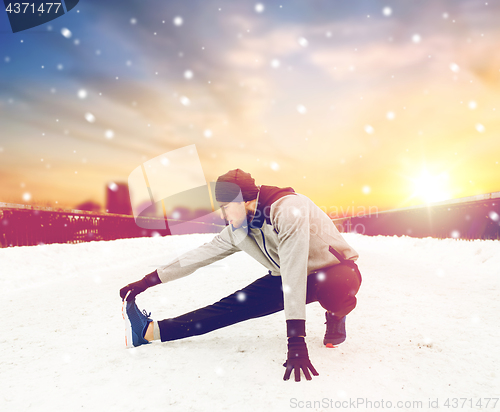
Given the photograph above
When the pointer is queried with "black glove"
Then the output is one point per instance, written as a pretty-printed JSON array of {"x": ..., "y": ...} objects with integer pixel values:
[
  {"x": 140, "y": 286},
  {"x": 298, "y": 359}
]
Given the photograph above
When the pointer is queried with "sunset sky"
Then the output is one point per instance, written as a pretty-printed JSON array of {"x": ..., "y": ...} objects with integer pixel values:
[{"x": 354, "y": 103}]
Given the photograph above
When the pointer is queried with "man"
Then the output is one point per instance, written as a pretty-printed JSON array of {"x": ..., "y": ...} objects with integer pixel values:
[{"x": 307, "y": 258}]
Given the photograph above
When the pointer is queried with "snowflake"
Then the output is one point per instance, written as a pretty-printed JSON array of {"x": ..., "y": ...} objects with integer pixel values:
[
  {"x": 387, "y": 11},
  {"x": 390, "y": 115},
  {"x": 416, "y": 38},
  {"x": 303, "y": 42},
  {"x": 66, "y": 32},
  {"x": 109, "y": 134},
  {"x": 369, "y": 129},
  {"x": 90, "y": 117},
  {"x": 133, "y": 20},
  {"x": 455, "y": 234},
  {"x": 241, "y": 296},
  {"x": 82, "y": 93},
  {"x": 301, "y": 109},
  {"x": 366, "y": 190},
  {"x": 113, "y": 186},
  {"x": 472, "y": 105},
  {"x": 178, "y": 21},
  {"x": 207, "y": 133},
  {"x": 494, "y": 216},
  {"x": 185, "y": 101},
  {"x": 275, "y": 166},
  {"x": 26, "y": 196},
  {"x": 188, "y": 74},
  {"x": 454, "y": 67},
  {"x": 259, "y": 7},
  {"x": 480, "y": 128},
  {"x": 275, "y": 63}
]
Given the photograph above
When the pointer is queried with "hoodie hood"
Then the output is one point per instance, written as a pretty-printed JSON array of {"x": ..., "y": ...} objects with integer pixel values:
[{"x": 267, "y": 196}]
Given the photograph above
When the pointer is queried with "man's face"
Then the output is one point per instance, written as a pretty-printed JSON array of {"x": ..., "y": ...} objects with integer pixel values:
[{"x": 234, "y": 213}]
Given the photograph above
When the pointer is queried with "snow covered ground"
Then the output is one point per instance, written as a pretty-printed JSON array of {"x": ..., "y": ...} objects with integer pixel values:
[{"x": 426, "y": 328}]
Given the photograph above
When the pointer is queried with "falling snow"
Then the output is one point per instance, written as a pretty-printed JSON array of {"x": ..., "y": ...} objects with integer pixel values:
[
  {"x": 82, "y": 93},
  {"x": 90, "y": 117},
  {"x": 416, "y": 38},
  {"x": 66, "y": 32},
  {"x": 369, "y": 129},
  {"x": 109, "y": 134},
  {"x": 185, "y": 101},
  {"x": 275, "y": 166},
  {"x": 301, "y": 109},
  {"x": 387, "y": 11},
  {"x": 494, "y": 216},
  {"x": 259, "y": 7},
  {"x": 275, "y": 63},
  {"x": 303, "y": 42},
  {"x": 178, "y": 21},
  {"x": 480, "y": 128},
  {"x": 454, "y": 67},
  {"x": 188, "y": 74}
]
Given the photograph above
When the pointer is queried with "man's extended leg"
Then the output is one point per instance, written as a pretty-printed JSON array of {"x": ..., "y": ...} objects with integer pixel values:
[
  {"x": 333, "y": 287},
  {"x": 260, "y": 298}
]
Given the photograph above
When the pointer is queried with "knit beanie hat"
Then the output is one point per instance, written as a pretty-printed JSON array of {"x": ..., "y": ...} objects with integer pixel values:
[{"x": 229, "y": 186}]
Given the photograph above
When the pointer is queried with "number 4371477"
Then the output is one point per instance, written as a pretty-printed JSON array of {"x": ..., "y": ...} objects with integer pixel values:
[{"x": 30, "y": 8}]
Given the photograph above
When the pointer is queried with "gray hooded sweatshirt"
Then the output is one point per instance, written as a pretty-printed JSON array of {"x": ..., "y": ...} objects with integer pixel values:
[{"x": 289, "y": 235}]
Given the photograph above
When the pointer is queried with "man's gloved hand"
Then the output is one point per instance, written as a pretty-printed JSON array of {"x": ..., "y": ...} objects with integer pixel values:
[
  {"x": 298, "y": 358},
  {"x": 140, "y": 286}
]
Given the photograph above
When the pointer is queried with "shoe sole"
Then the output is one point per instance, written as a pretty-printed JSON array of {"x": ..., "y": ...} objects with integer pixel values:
[{"x": 128, "y": 326}]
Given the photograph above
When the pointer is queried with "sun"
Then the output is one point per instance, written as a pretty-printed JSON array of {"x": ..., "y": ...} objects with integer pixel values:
[{"x": 431, "y": 188}]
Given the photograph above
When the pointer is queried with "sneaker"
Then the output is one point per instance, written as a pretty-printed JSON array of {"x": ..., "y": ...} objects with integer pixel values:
[
  {"x": 136, "y": 324},
  {"x": 335, "y": 330}
]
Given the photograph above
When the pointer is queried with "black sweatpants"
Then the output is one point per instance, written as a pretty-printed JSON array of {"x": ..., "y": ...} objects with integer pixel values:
[{"x": 333, "y": 287}]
